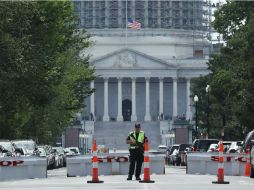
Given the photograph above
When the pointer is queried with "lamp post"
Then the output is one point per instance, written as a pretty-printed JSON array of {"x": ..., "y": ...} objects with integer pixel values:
[
  {"x": 207, "y": 89},
  {"x": 196, "y": 108}
]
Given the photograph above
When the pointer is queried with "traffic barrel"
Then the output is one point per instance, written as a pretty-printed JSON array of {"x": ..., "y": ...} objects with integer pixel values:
[
  {"x": 247, "y": 166},
  {"x": 95, "y": 170},
  {"x": 220, "y": 172},
  {"x": 146, "y": 165}
]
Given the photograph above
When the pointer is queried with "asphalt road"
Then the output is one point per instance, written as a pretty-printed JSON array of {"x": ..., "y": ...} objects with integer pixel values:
[{"x": 174, "y": 179}]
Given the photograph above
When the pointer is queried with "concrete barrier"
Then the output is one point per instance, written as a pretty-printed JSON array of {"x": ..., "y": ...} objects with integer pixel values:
[
  {"x": 207, "y": 163},
  {"x": 110, "y": 164},
  {"x": 12, "y": 168}
]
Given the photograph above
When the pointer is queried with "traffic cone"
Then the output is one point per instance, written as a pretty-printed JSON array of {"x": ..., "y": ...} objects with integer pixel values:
[
  {"x": 95, "y": 170},
  {"x": 247, "y": 166},
  {"x": 220, "y": 173},
  {"x": 146, "y": 166}
]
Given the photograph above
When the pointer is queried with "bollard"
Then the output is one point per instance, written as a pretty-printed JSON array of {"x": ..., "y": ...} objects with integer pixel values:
[
  {"x": 95, "y": 170},
  {"x": 146, "y": 166},
  {"x": 220, "y": 172}
]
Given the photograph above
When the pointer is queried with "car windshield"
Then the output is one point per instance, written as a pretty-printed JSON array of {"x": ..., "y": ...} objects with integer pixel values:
[
  {"x": 204, "y": 144},
  {"x": 60, "y": 150},
  {"x": 7, "y": 145},
  {"x": 182, "y": 147},
  {"x": 29, "y": 145},
  {"x": 74, "y": 150}
]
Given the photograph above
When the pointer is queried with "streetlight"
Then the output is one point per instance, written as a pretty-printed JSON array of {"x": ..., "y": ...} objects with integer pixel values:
[
  {"x": 196, "y": 107},
  {"x": 207, "y": 89}
]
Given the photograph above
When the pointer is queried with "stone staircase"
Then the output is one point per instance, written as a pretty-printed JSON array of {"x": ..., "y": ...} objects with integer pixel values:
[{"x": 114, "y": 134}]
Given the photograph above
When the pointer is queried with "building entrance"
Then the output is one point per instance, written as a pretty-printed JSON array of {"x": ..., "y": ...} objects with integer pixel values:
[{"x": 126, "y": 110}]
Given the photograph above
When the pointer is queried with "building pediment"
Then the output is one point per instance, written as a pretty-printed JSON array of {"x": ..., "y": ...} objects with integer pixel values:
[{"x": 130, "y": 59}]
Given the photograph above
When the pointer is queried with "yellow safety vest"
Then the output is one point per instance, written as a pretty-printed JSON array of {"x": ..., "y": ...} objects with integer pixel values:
[{"x": 140, "y": 139}]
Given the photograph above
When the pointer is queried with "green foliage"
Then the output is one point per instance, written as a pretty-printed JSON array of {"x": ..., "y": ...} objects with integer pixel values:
[
  {"x": 232, "y": 73},
  {"x": 43, "y": 80}
]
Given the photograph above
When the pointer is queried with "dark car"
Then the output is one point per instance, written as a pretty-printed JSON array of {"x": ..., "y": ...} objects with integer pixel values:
[
  {"x": 248, "y": 139},
  {"x": 181, "y": 156},
  {"x": 202, "y": 145},
  {"x": 252, "y": 159},
  {"x": 171, "y": 154},
  {"x": 61, "y": 153}
]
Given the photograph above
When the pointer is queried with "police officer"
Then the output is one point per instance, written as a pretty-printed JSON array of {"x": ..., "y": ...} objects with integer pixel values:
[{"x": 136, "y": 140}]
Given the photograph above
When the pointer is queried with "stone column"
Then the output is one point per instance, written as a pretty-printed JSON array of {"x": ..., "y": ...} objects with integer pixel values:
[
  {"x": 106, "y": 116},
  {"x": 119, "y": 111},
  {"x": 161, "y": 96},
  {"x": 174, "y": 98},
  {"x": 133, "y": 100},
  {"x": 188, "y": 100},
  {"x": 92, "y": 107},
  {"x": 147, "y": 115}
]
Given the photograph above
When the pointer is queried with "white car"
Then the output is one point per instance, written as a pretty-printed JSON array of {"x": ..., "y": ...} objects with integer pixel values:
[
  {"x": 72, "y": 151},
  {"x": 162, "y": 148}
]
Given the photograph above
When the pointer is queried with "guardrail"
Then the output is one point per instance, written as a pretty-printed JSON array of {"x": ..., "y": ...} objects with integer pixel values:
[
  {"x": 12, "y": 168},
  {"x": 110, "y": 164},
  {"x": 206, "y": 163}
]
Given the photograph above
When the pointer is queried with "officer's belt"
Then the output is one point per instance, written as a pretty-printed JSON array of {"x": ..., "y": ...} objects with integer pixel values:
[{"x": 134, "y": 147}]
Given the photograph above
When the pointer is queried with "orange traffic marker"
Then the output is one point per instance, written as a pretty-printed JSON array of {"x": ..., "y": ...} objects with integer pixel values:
[
  {"x": 95, "y": 170},
  {"x": 146, "y": 166},
  {"x": 247, "y": 166},
  {"x": 220, "y": 173}
]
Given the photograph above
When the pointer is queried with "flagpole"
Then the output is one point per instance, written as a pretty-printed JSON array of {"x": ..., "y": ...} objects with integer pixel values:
[{"x": 126, "y": 23}]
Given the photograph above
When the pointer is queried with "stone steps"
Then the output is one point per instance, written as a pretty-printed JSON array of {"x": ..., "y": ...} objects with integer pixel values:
[{"x": 114, "y": 134}]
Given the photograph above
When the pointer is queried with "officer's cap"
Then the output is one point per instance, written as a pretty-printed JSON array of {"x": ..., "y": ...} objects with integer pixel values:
[{"x": 137, "y": 125}]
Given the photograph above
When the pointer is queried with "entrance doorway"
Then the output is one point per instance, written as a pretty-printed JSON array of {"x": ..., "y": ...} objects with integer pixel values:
[{"x": 126, "y": 110}]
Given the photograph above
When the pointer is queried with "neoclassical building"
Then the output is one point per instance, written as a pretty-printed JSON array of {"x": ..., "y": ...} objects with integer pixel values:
[
  {"x": 144, "y": 75},
  {"x": 137, "y": 86}
]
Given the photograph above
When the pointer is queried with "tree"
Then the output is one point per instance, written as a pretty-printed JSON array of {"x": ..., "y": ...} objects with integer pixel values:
[
  {"x": 232, "y": 72},
  {"x": 43, "y": 79}
]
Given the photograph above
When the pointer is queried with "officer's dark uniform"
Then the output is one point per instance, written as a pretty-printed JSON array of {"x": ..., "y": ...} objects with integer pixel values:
[{"x": 136, "y": 153}]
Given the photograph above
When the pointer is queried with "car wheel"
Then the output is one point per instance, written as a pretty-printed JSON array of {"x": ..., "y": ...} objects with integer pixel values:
[{"x": 252, "y": 172}]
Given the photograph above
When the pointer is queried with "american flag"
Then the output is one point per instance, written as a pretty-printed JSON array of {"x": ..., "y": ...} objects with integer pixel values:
[{"x": 134, "y": 24}]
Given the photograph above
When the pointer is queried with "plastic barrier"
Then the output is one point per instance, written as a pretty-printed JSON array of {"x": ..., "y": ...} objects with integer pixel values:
[
  {"x": 207, "y": 163},
  {"x": 12, "y": 168},
  {"x": 110, "y": 164}
]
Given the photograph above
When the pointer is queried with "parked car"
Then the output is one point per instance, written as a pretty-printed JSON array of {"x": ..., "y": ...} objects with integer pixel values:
[
  {"x": 29, "y": 146},
  {"x": 58, "y": 157},
  {"x": 171, "y": 155},
  {"x": 7, "y": 148},
  {"x": 44, "y": 153},
  {"x": 162, "y": 148},
  {"x": 182, "y": 154},
  {"x": 212, "y": 148},
  {"x": 235, "y": 147},
  {"x": 62, "y": 154},
  {"x": 72, "y": 150},
  {"x": 202, "y": 145},
  {"x": 252, "y": 159},
  {"x": 68, "y": 152},
  {"x": 248, "y": 139}
]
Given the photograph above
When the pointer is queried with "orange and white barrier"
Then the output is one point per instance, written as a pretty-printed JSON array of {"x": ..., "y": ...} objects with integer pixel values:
[
  {"x": 247, "y": 166},
  {"x": 220, "y": 172},
  {"x": 146, "y": 165},
  {"x": 95, "y": 170}
]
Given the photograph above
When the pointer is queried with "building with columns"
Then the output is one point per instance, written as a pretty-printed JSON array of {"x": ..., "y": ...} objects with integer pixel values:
[{"x": 144, "y": 75}]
